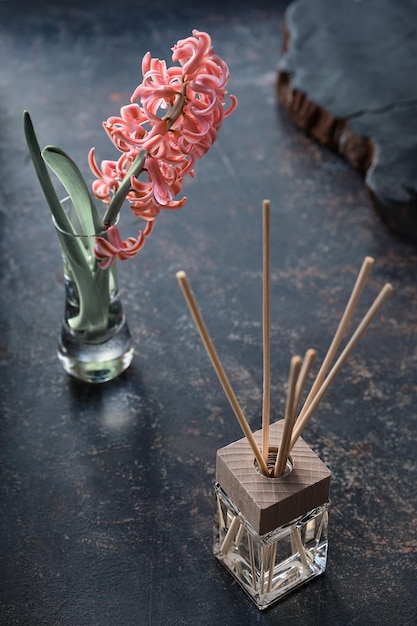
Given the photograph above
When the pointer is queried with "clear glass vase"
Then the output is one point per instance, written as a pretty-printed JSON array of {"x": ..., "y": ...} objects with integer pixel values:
[
  {"x": 95, "y": 343},
  {"x": 271, "y": 534}
]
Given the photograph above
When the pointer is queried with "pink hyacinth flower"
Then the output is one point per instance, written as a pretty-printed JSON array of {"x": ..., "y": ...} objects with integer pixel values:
[
  {"x": 106, "y": 251},
  {"x": 191, "y": 52},
  {"x": 108, "y": 177},
  {"x": 128, "y": 128}
]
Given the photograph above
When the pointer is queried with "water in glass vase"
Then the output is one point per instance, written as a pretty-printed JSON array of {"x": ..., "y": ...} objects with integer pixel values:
[{"x": 98, "y": 355}]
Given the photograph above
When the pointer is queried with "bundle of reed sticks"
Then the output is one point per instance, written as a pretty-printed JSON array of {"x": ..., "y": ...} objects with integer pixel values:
[{"x": 295, "y": 419}]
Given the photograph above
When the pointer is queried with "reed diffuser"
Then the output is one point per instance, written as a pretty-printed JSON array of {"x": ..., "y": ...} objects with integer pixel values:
[{"x": 272, "y": 490}]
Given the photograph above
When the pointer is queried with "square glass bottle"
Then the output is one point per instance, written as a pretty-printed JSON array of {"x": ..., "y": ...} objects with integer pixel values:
[{"x": 271, "y": 534}]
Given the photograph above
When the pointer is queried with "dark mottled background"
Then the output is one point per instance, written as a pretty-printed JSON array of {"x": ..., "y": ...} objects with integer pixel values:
[{"x": 106, "y": 492}]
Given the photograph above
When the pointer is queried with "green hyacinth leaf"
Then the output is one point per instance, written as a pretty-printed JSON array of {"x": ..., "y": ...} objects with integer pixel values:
[
  {"x": 71, "y": 178},
  {"x": 55, "y": 205},
  {"x": 92, "y": 285},
  {"x": 60, "y": 216},
  {"x": 92, "y": 288}
]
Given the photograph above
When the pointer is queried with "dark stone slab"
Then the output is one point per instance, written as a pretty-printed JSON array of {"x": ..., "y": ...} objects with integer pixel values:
[{"x": 348, "y": 78}]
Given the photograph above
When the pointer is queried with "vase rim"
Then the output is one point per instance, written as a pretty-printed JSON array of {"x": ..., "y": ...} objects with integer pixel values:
[{"x": 79, "y": 235}]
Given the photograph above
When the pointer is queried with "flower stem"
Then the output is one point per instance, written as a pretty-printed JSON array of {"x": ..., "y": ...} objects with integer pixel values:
[
  {"x": 116, "y": 202},
  {"x": 177, "y": 108}
]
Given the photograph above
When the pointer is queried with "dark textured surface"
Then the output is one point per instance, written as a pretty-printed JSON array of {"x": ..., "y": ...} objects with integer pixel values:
[
  {"x": 348, "y": 78},
  {"x": 106, "y": 493}
]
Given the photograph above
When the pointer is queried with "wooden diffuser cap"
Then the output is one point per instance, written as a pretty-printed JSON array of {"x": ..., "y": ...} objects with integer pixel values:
[{"x": 268, "y": 503}]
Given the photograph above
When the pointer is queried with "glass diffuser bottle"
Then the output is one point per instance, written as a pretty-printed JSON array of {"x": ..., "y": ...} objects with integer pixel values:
[{"x": 271, "y": 534}]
